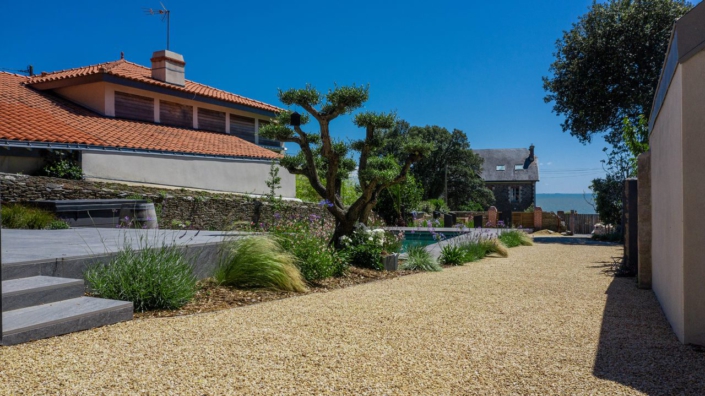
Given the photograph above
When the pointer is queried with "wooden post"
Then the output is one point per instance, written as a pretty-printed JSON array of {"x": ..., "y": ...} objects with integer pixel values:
[
  {"x": 644, "y": 223},
  {"x": 573, "y": 220},
  {"x": 538, "y": 218},
  {"x": 492, "y": 216}
]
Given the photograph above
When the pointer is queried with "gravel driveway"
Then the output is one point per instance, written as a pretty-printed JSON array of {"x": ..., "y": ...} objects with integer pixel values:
[{"x": 546, "y": 320}]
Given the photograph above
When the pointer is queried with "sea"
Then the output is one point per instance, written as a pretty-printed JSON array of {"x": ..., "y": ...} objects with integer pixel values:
[{"x": 582, "y": 203}]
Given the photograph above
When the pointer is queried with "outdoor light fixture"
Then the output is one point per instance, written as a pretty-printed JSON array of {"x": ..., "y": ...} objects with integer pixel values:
[{"x": 295, "y": 119}]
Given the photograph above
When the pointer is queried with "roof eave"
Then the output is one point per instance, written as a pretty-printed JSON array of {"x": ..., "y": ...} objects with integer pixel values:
[{"x": 113, "y": 79}]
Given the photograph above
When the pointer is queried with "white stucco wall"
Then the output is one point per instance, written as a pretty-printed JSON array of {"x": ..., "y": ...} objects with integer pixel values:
[
  {"x": 91, "y": 96},
  {"x": 209, "y": 174},
  {"x": 667, "y": 205},
  {"x": 694, "y": 198}
]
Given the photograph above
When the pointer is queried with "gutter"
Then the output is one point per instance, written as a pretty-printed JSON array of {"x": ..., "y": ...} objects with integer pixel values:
[{"x": 105, "y": 149}]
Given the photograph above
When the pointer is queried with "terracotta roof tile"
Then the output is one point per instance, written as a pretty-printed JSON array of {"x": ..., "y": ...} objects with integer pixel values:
[
  {"x": 133, "y": 71},
  {"x": 32, "y": 116}
]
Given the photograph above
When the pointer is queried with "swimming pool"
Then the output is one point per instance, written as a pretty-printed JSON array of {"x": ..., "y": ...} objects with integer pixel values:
[{"x": 425, "y": 238}]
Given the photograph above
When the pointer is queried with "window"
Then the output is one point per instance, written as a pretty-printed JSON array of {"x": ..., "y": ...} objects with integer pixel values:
[
  {"x": 175, "y": 114},
  {"x": 500, "y": 167},
  {"x": 519, "y": 167},
  {"x": 514, "y": 194},
  {"x": 211, "y": 120},
  {"x": 242, "y": 127},
  {"x": 134, "y": 107}
]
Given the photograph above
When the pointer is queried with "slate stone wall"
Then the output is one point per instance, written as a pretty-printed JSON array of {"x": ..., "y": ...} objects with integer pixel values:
[
  {"x": 203, "y": 210},
  {"x": 501, "y": 194}
]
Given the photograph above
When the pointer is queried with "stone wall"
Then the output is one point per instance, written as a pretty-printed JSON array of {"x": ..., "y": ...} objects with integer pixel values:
[
  {"x": 501, "y": 194},
  {"x": 203, "y": 210}
]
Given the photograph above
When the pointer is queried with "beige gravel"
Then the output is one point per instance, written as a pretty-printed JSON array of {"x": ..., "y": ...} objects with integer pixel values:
[{"x": 547, "y": 320}]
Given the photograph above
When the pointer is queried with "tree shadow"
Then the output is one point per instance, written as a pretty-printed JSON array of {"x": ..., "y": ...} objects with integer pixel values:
[{"x": 638, "y": 348}]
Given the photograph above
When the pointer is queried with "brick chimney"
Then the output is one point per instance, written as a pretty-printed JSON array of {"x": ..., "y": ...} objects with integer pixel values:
[
  {"x": 531, "y": 153},
  {"x": 169, "y": 67}
]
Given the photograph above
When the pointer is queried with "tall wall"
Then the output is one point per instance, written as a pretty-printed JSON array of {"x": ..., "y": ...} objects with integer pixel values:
[
  {"x": 202, "y": 210},
  {"x": 667, "y": 205},
  {"x": 693, "y": 112},
  {"x": 191, "y": 172}
]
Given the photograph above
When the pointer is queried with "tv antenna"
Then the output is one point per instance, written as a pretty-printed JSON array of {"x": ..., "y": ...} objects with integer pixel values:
[{"x": 165, "y": 15}]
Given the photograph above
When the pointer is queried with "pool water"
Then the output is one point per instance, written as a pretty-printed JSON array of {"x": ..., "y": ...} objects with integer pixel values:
[{"x": 423, "y": 238}]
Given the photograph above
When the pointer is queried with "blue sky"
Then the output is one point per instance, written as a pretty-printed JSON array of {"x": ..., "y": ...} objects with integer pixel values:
[{"x": 474, "y": 66}]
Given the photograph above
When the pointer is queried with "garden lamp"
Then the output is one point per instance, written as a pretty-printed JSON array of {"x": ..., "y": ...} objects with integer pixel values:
[{"x": 295, "y": 119}]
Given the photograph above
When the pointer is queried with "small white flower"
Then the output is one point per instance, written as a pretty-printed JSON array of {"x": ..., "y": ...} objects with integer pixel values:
[{"x": 371, "y": 238}]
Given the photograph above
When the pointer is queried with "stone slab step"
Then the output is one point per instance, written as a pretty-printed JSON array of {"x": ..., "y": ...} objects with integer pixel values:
[
  {"x": 62, "y": 317},
  {"x": 37, "y": 290}
]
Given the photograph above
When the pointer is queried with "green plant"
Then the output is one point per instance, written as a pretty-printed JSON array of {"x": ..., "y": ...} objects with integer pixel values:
[
  {"x": 420, "y": 260},
  {"x": 259, "y": 262},
  {"x": 152, "y": 277},
  {"x": 452, "y": 254},
  {"x": 515, "y": 238},
  {"x": 609, "y": 237},
  {"x": 274, "y": 181},
  {"x": 365, "y": 247},
  {"x": 176, "y": 223},
  {"x": 24, "y": 217},
  {"x": 314, "y": 257},
  {"x": 61, "y": 164},
  {"x": 134, "y": 196},
  {"x": 58, "y": 225}
]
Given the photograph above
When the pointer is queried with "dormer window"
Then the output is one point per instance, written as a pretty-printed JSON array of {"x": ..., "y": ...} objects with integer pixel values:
[
  {"x": 500, "y": 167},
  {"x": 518, "y": 167}
]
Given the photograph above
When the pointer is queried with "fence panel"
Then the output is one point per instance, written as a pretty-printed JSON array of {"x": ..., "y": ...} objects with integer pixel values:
[{"x": 525, "y": 220}]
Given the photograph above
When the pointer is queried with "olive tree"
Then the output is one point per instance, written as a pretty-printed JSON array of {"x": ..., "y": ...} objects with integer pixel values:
[{"x": 326, "y": 161}]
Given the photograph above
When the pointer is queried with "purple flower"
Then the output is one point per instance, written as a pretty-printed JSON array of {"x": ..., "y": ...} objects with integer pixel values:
[
  {"x": 277, "y": 216},
  {"x": 325, "y": 202},
  {"x": 127, "y": 218}
]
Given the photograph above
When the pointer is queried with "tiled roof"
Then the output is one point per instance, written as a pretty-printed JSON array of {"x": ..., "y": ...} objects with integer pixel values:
[
  {"x": 29, "y": 115},
  {"x": 508, "y": 158},
  {"x": 132, "y": 71}
]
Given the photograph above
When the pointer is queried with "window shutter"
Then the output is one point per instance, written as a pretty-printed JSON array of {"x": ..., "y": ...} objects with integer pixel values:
[{"x": 134, "y": 107}]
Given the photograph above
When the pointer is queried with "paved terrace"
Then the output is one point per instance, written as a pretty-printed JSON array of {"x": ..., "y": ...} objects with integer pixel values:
[
  {"x": 546, "y": 320},
  {"x": 35, "y": 245}
]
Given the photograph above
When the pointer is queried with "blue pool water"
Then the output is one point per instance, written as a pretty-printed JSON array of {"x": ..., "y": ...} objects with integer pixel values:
[{"x": 424, "y": 238}]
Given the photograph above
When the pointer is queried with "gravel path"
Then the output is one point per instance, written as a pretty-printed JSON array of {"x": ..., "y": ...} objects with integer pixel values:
[{"x": 547, "y": 320}]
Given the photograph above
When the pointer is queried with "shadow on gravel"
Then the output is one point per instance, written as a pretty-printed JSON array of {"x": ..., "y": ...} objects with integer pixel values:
[
  {"x": 637, "y": 347},
  {"x": 572, "y": 241}
]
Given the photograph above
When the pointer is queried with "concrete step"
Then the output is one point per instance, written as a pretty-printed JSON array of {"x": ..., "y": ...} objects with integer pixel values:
[
  {"x": 62, "y": 317},
  {"x": 36, "y": 290}
]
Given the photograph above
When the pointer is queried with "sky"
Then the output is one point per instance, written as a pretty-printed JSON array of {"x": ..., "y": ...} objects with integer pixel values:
[{"x": 468, "y": 65}]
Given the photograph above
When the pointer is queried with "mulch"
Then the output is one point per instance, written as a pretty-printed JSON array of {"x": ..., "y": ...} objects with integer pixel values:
[{"x": 212, "y": 296}]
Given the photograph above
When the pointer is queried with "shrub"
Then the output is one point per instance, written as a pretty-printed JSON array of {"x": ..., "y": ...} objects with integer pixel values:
[
  {"x": 59, "y": 225},
  {"x": 314, "y": 258},
  {"x": 18, "y": 216},
  {"x": 365, "y": 247},
  {"x": 452, "y": 254},
  {"x": 64, "y": 169},
  {"x": 515, "y": 238},
  {"x": 609, "y": 237},
  {"x": 259, "y": 262},
  {"x": 420, "y": 260},
  {"x": 152, "y": 277}
]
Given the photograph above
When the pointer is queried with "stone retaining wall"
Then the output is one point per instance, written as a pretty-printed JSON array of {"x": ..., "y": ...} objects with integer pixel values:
[{"x": 202, "y": 210}]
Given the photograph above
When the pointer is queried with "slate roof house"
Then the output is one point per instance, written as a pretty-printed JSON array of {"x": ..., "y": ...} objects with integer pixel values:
[
  {"x": 511, "y": 174},
  {"x": 133, "y": 123}
]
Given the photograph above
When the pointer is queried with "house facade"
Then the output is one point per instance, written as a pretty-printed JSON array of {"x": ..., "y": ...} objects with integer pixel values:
[
  {"x": 131, "y": 123},
  {"x": 677, "y": 143},
  {"x": 511, "y": 174}
]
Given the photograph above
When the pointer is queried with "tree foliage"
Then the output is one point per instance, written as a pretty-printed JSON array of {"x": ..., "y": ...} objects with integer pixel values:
[
  {"x": 325, "y": 161},
  {"x": 607, "y": 194},
  {"x": 608, "y": 65},
  {"x": 451, "y": 150},
  {"x": 399, "y": 200}
]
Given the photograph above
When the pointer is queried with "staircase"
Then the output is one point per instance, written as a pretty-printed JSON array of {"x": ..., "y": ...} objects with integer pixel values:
[{"x": 36, "y": 306}]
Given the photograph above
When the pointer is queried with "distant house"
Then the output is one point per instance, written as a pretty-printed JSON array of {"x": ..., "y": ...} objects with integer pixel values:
[
  {"x": 511, "y": 174},
  {"x": 138, "y": 124}
]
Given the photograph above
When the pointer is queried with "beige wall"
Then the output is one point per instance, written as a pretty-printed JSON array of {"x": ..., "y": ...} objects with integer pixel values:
[
  {"x": 209, "y": 174},
  {"x": 16, "y": 164},
  {"x": 91, "y": 96},
  {"x": 694, "y": 198},
  {"x": 667, "y": 205}
]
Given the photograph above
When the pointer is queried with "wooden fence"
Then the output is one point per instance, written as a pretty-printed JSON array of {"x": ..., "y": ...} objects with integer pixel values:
[
  {"x": 525, "y": 220},
  {"x": 581, "y": 223}
]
